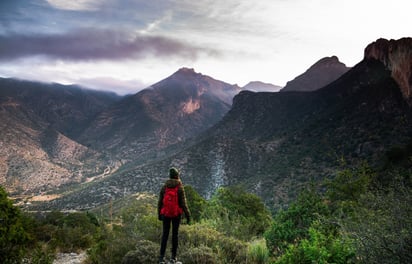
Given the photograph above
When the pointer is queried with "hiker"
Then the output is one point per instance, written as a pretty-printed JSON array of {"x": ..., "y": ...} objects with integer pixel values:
[{"x": 172, "y": 203}]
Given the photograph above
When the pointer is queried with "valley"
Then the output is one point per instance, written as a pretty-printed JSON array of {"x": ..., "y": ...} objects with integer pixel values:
[{"x": 273, "y": 143}]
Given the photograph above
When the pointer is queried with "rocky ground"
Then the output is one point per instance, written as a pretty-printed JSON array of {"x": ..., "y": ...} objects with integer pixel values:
[{"x": 70, "y": 258}]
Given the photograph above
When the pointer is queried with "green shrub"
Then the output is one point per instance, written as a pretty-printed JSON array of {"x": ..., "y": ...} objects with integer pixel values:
[
  {"x": 318, "y": 248},
  {"x": 293, "y": 224},
  {"x": 258, "y": 252},
  {"x": 227, "y": 249},
  {"x": 237, "y": 213},
  {"x": 41, "y": 254},
  {"x": 13, "y": 233},
  {"x": 147, "y": 252},
  {"x": 195, "y": 202},
  {"x": 232, "y": 250},
  {"x": 199, "y": 255},
  {"x": 382, "y": 226},
  {"x": 348, "y": 185},
  {"x": 195, "y": 235},
  {"x": 139, "y": 221},
  {"x": 67, "y": 233}
]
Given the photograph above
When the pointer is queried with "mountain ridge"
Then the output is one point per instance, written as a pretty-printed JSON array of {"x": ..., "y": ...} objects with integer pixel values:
[
  {"x": 275, "y": 143},
  {"x": 35, "y": 155},
  {"x": 166, "y": 113}
]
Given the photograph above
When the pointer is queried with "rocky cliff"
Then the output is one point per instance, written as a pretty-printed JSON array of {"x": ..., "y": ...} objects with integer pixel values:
[{"x": 396, "y": 55}]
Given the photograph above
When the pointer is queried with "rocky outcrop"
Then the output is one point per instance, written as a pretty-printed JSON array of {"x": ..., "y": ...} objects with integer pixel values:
[{"x": 396, "y": 55}]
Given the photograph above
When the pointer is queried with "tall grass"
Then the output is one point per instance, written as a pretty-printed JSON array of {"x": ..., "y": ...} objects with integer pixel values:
[{"x": 258, "y": 252}]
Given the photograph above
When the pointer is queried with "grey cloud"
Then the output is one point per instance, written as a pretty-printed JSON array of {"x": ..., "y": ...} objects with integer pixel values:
[{"x": 90, "y": 44}]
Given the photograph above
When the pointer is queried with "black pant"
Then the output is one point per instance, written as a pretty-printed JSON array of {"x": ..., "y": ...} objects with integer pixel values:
[{"x": 165, "y": 235}]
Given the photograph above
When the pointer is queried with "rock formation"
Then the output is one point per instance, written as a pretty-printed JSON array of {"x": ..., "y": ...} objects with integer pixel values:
[{"x": 396, "y": 55}]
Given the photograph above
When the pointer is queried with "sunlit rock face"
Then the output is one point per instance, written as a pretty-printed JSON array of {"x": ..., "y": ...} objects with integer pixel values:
[{"x": 396, "y": 55}]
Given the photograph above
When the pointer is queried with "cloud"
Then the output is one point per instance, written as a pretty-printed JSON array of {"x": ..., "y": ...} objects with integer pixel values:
[
  {"x": 79, "y": 5},
  {"x": 121, "y": 87},
  {"x": 91, "y": 44}
]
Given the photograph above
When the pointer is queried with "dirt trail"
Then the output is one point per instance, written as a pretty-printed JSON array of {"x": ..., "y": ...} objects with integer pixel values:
[{"x": 70, "y": 258}]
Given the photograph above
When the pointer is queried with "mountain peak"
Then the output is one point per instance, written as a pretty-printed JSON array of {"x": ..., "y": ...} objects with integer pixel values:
[
  {"x": 190, "y": 82},
  {"x": 320, "y": 74},
  {"x": 396, "y": 55},
  {"x": 184, "y": 71},
  {"x": 332, "y": 61}
]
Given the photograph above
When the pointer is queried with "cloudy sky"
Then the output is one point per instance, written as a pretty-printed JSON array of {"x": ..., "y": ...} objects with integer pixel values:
[{"x": 127, "y": 45}]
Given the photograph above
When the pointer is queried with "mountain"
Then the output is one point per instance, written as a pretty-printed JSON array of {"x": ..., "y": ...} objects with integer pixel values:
[
  {"x": 55, "y": 135},
  {"x": 67, "y": 108},
  {"x": 257, "y": 86},
  {"x": 320, "y": 74},
  {"x": 275, "y": 143},
  {"x": 169, "y": 112},
  {"x": 37, "y": 123}
]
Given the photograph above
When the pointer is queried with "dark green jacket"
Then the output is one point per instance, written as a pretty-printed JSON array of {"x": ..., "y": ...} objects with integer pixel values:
[{"x": 171, "y": 183}]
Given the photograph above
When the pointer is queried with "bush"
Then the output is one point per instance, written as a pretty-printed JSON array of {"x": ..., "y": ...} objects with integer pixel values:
[
  {"x": 196, "y": 235},
  {"x": 139, "y": 220},
  {"x": 134, "y": 223},
  {"x": 41, "y": 254},
  {"x": 258, "y": 252},
  {"x": 13, "y": 234},
  {"x": 382, "y": 226},
  {"x": 67, "y": 233},
  {"x": 319, "y": 247},
  {"x": 110, "y": 247},
  {"x": 227, "y": 249},
  {"x": 293, "y": 224},
  {"x": 236, "y": 213},
  {"x": 195, "y": 203},
  {"x": 199, "y": 255},
  {"x": 231, "y": 250},
  {"x": 146, "y": 252},
  {"x": 349, "y": 184}
]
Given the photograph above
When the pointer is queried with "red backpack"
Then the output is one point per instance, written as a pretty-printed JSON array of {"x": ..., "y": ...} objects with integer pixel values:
[{"x": 171, "y": 206}]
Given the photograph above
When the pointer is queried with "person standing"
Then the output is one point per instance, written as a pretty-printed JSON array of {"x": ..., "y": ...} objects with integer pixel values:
[{"x": 171, "y": 205}]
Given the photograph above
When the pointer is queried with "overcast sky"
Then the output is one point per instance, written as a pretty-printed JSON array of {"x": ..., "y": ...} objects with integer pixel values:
[{"x": 127, "y": 45}]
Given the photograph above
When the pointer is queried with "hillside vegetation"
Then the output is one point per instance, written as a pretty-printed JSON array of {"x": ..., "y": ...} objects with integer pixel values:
[{"x": 361, "y": 216}]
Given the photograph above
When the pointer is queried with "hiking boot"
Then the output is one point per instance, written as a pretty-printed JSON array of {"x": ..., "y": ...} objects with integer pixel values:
[{"x": 162, "y": 260}]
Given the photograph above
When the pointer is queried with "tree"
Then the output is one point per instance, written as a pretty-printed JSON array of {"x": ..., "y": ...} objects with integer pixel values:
[
  {"x": 13, "y": 235},
  {"x": 292, "y": 225},
  {"x": 238, "y": 213},
  {"x": 195, "y": 202}
]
